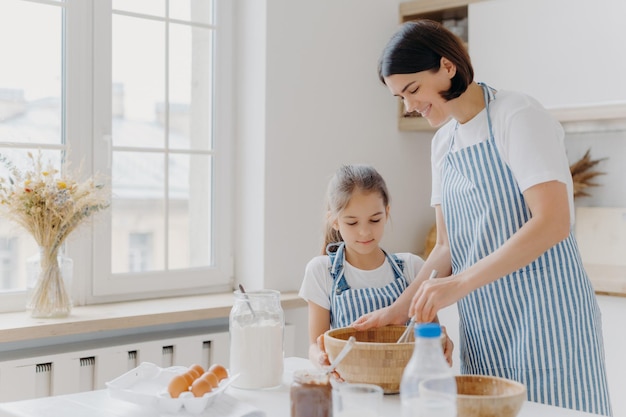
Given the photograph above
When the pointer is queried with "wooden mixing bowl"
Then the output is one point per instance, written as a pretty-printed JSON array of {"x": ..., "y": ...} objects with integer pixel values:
[
  {"x": 375, "y": 358},
  {"x": 488, "y": 396}
]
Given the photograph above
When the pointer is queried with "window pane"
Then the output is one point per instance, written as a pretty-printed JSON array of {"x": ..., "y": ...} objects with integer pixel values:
[
  {"x": 31, "y": 85},
  {"x": 138, "y": 209},
  {"x": 30, "y": 73},
  {"x": 140, "y": 251},
  {"x": 138, "y": 82},
  {"x": 197, "y": 11},
  {"x": 190, "y": 87},
  {"x": 9, "y": 267},
  {"x": 151, "y": 7},
  {"x": 162, "y": 144},
  {"x": 190, "y": 211}
]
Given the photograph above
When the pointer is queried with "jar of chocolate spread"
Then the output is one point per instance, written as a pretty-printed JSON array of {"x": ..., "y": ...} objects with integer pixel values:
[{"x": 311, "y": 394}]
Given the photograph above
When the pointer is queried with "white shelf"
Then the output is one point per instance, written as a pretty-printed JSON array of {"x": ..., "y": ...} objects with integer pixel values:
[
  {"x": 597, "y": 117},
  {"x": 19, "y": 326}
]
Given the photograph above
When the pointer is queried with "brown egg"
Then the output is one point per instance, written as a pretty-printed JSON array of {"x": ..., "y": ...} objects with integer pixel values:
[
  {"x": 200, "y": 387},
  {"x": 219, "y": 371},
  {"x": 189, "y": 377},
  {"x": 211, "y": 378},
  {"x": 198, "y": 368},
  {"x": 177, "y": 385}
]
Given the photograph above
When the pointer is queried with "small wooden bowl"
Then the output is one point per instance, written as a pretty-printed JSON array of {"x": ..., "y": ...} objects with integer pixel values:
[
  {"x": 375, "y": 358},
  {"x": 488, "y": 396}
]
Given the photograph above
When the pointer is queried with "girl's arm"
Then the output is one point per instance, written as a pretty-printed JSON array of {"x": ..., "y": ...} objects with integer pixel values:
[
  {"x": 398, "y": 312},
  {"x": 549, "y": 224},
  {"x": 319, "y": 323}
]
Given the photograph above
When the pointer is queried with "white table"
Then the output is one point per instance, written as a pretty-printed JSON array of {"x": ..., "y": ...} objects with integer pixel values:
[{"x": 274, "y": 402}]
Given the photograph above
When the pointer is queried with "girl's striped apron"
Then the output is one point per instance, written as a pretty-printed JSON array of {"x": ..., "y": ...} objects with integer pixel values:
[
  {"x": 540, "y": 325},
  {"x": 348, "y": 304}
]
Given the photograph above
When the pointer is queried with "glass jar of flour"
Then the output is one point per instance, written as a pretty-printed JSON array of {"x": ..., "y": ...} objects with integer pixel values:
[{"x": 256, "y": 326}]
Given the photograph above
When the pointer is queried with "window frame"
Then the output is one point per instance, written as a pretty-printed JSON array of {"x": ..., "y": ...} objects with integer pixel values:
[
  {"x": 87, "y": 122},
  {"x": 107, "y": 286}
]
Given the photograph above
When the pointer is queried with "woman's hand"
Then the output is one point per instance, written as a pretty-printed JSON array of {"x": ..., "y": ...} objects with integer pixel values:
[{"x": 435, "y": 294}]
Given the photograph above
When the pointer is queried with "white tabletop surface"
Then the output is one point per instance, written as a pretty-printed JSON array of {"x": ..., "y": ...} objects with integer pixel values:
[{"x": 274, "y": 402}]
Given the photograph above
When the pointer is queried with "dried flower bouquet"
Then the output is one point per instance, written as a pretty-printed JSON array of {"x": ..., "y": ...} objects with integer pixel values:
[{"x": 49, "y": 205}]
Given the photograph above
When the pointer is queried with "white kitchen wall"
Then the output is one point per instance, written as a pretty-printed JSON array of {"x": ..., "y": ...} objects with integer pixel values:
[
  {"x": 563, "y": 52},
  {"x": 308, "y": 100}
]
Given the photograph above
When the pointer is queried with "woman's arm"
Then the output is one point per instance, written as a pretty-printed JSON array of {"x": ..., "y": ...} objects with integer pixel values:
[
  {"x": 319, "y": 323},
  {"x": 548, "y": 225}
]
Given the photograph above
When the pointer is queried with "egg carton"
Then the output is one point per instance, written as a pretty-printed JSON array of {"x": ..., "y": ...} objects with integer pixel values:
[{"x": 146, "y": 385}]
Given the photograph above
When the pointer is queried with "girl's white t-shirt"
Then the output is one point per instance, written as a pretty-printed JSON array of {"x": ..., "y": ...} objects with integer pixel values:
[
  {"x": 318, "y": 283},
  {"x": 529, "y": 139}
]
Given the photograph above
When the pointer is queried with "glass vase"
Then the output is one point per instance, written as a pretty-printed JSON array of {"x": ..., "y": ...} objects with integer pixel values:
[{"x": 50, "y": 281}]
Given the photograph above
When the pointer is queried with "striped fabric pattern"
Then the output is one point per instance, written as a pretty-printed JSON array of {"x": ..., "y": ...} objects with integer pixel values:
[
  {"x": 348, "y": 304},
  {"x": 540, "y": 325}
]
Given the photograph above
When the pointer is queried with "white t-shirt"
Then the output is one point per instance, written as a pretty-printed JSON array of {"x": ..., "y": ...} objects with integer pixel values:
[
  {"x": 317, "y": 283},
  {"x": 528, "y": 138}
]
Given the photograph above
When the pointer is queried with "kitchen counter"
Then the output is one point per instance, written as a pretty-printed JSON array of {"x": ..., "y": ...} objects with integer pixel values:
[{"x": 273, "y": 402}]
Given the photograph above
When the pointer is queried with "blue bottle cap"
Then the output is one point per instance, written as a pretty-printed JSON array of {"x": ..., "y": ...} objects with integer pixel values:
[{"x": 428, "y": 330}]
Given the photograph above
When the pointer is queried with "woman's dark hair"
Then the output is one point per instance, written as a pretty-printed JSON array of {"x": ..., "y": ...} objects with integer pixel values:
[{"x": 419, "y": 46}]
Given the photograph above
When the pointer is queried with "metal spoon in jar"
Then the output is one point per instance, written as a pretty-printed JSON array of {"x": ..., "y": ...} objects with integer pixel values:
[
  {"x": 247, "y": 300},
  {"x": 346, "y": 349}
]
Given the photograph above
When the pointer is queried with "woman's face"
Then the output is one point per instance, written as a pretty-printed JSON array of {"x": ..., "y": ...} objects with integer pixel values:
[{"x": 421, "y": 92}]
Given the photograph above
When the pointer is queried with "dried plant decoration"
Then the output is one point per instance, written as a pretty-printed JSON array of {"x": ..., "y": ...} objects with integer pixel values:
[
  {"x": 49, "y": 205},
  {"x": 583, "y": 174}
]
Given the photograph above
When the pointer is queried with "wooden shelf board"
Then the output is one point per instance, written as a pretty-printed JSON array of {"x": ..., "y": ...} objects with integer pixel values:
[
  {"x": 607, "y": 279},
  {"x": 414, "y": 124},
  {"x": 417, "y": 7}
]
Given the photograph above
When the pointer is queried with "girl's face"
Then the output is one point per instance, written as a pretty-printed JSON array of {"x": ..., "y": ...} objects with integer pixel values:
[
  {"x": 420, "y": 92},
  {"x": 362, "y": 223}
]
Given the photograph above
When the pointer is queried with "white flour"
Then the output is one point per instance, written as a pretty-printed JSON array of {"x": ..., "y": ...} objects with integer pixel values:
[{"x": 256, "y": 353}]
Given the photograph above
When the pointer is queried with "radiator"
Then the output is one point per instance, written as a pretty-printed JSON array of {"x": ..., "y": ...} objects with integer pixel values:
[{"x": 87, "y": 366}]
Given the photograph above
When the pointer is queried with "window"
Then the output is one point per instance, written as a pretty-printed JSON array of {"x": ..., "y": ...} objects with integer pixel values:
[{"x": 139, "y": 97}]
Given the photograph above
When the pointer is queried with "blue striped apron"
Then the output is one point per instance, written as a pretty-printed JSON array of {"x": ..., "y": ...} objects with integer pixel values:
[
  {"x": 348, "y": 304},
  {"x": 539, "y": 325}
]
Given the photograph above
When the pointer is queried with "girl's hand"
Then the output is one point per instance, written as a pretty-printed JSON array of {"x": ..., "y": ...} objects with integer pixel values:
[
  {"x": 448, "y": 346},
  {"x": 379, "y": 318},
  {"x": 317, "y": 353}
]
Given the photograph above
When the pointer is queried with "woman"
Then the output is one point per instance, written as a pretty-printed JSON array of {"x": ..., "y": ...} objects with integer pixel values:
[{"x": 503, "y": 198}]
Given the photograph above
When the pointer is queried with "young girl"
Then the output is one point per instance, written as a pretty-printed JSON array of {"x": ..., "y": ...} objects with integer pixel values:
[{"x": 354, "y": 275}]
